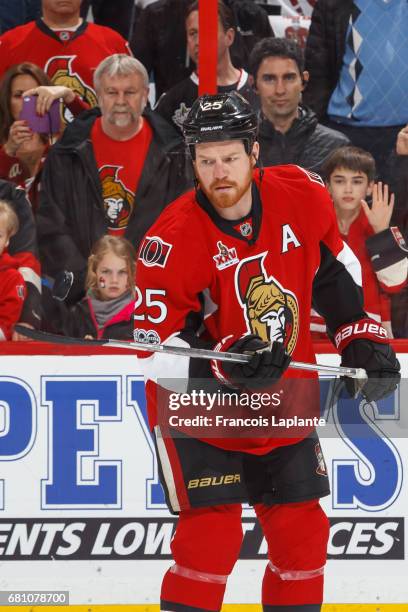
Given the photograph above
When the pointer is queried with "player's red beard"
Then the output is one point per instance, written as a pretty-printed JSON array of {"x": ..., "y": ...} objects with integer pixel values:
[{"x": 227, "y": 199}]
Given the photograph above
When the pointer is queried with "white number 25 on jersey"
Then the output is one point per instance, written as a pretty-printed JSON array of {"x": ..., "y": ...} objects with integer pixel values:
[{"x": 155, "y": 309}]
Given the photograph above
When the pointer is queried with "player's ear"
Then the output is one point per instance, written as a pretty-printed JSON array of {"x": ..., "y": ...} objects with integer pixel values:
[
  {"x": 255, "y": 153},
  {"x": 370, "y": 188},
  {"x": 230, "y": 35}
]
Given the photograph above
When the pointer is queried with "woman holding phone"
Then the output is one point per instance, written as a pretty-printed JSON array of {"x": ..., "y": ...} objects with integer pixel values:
[{"x": 23, "y": 149}]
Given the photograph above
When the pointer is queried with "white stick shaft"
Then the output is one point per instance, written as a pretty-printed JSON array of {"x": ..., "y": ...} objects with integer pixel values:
[
  {"x": 186, "y": 352},
  {"x": 236, "y": 357}
]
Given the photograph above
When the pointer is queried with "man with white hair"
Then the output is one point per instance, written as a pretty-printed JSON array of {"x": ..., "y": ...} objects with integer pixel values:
[{"x": 121, "y": 152}]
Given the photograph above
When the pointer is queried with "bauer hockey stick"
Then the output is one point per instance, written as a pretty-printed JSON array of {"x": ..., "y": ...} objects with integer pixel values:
[{"x": 358, "y": 373}]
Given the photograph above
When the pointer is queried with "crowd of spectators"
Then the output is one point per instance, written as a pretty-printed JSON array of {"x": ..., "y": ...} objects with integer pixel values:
[
  {"x": 83, "y": 195},
  {"x": 174, "y": 104},
  {"x": 113, "y": 171}
]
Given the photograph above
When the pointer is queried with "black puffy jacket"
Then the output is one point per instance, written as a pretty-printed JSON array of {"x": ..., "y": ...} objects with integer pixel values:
[
  {"x": 307, "y": 143},
  {"x": 79, "y": 321},
  {"x": 71, "y": 214},
  {"x": 324, "y": 51}
]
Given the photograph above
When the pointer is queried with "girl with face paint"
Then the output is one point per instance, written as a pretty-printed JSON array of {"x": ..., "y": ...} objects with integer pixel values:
[{"x": 107, "y": 309}]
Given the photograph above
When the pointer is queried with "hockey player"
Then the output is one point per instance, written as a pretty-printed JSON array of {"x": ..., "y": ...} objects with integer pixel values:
[{"x": 242, "y": 257}]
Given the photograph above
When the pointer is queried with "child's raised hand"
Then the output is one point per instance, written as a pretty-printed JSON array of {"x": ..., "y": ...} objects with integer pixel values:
[{"x": 379, "y": 215}]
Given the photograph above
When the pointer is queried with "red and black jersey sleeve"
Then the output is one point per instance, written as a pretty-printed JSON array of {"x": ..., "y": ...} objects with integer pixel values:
[
  {"x": 388, "y": 252},
  {"x": 171, "y": 280}
]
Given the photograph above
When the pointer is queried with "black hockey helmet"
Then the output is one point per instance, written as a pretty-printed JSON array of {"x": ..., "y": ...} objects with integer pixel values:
[{"x": 224, "y": 116}]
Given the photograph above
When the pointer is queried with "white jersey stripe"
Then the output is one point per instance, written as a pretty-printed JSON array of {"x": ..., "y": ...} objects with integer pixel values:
[
  {"x": 351, "y": 263},
  {"x": 395, "y": 274},
  {"x": 30, "y": 277}
]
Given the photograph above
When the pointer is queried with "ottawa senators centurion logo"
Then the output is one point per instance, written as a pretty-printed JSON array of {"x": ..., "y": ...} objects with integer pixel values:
[
  {"x": 118, "y": 201},
  {"x": 60, "y": 71},
  {"x": 271, "y": 311}
]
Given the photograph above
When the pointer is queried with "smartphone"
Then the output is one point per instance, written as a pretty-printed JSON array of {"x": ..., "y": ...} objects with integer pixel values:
[{"x": 50, "y": 123}]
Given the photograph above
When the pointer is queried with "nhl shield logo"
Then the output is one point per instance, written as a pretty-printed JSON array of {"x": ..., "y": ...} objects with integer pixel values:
[
  {"x": 245, "y": 229},
  {"x": 271, "y": 311}
]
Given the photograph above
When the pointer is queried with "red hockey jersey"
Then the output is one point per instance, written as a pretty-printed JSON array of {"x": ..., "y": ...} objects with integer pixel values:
[
  {"x": 69, "y": 58},
  {"x": 256, "y": 275}
]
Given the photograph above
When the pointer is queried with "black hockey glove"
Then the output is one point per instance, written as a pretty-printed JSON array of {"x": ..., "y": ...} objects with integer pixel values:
[
  {"x": 363, "y": 344},
  {"x": 62, "y": 285},
  {"x": 266, "y": 366}
]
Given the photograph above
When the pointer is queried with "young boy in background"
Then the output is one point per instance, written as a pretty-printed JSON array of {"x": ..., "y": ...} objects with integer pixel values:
[
  {"x": 12, "y": 285},
  {"x": 381, "y": 250}
]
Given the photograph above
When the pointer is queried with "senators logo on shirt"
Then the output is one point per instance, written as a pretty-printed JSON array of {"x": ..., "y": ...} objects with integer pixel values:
[
  {"x": 271, "y": 311},
  {"x": 60, "y": 71},
  {"x": 118, "y": 200}
]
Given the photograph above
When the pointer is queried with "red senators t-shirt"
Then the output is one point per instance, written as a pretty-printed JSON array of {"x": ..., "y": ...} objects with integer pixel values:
[{"x": 120, "y": 165}]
